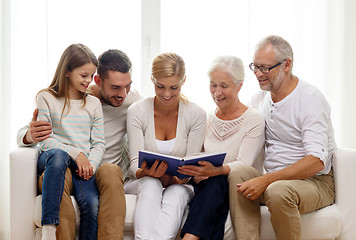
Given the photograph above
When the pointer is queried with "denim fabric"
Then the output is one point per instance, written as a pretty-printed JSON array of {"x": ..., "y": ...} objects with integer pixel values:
[
  {"x": 54, "y": 163},
  {"x": 87, "y": 196},
  {"x": 208, "y": 209}
]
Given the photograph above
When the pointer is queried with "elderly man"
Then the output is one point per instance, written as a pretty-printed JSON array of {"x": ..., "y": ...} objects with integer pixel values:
[{"x": 299, "y": 147}]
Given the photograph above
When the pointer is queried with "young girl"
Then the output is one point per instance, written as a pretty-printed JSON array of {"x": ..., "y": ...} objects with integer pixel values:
[{"x": 77, "y": 141}]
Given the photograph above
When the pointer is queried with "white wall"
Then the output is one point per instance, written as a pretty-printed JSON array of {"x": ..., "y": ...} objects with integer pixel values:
[
  {"x": 5, "y": 76},
  {"x": 196, "y": 31},
  {"x": 150, "y": 42},
  {"x": 348, "y": 77},
  {"x": 24, "y": 69}
]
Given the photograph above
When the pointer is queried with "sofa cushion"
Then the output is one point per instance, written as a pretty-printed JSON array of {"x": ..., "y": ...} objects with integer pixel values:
[
  {"x": 314, "y": 224},
  {"x": 130, "y": 210}
]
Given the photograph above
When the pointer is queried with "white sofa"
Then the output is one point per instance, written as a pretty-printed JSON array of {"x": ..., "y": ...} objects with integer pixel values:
[{"x": 334, "y": 222}]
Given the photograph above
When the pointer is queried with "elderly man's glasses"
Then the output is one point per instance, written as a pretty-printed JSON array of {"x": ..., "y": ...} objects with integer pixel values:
[{"x": 264, "y": 69}]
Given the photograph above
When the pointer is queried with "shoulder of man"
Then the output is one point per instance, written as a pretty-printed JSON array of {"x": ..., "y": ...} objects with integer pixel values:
[
  {"x": 258, "y": 98},
  {"x": 140, "y": 105},
  {"x": 311, "y": 94},
  {"x": 133, "y": 96},
  {"x": 309, "y": 89}
]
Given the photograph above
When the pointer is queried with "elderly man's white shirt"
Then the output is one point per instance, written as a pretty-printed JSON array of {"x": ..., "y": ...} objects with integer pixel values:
[{"x": 297, "y": 126}]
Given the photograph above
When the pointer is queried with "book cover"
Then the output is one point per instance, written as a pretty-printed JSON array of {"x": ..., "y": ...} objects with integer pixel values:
[{"x": 174, "y": 162}]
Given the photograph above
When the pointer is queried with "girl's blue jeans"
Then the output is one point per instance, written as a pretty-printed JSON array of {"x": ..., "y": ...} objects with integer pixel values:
[{"x": 54, "y": 163}]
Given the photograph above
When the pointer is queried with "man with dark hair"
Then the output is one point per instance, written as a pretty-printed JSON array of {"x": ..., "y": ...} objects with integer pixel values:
[{"x": 113, "y": 83}]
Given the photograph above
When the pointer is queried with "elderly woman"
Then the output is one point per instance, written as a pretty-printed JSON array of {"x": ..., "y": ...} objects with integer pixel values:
[{"x": 233, "y": 128}]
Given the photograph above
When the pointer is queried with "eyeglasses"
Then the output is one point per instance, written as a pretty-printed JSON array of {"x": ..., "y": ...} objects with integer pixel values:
[{"x": 264, "y": 69}]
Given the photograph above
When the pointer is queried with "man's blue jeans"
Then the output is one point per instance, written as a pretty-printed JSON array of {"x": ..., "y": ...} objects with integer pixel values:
[{"x": 54, "y": 163}]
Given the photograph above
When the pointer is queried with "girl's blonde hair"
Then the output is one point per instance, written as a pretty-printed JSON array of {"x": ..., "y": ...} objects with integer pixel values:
[
  {"x": 76, "y": 55},
  {"x": 169, "y": 65}
]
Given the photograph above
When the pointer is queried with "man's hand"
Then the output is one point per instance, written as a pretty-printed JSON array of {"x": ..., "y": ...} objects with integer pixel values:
[
  {"x": 157, "y": 170},
  {"x": 85, "y": 170},
  {"x": 303, "y": 169},
  {"x": 253, "y": 188},
  {"x": 94, "y": 90},
  {"x": 39, "y": 130}
]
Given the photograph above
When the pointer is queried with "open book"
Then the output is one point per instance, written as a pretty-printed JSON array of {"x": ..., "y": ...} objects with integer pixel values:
[{"x": 174, "y": 162}]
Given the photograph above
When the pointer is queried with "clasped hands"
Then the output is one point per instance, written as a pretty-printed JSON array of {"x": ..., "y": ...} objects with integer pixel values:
[{"x": 85, "y": 169}]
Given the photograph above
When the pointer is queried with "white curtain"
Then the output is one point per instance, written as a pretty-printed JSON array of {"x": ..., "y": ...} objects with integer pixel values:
[
  {"x": 346, "y": 80},
  {"x": 5, "y": 106},
  {"x": 322, "y": 34},
  {"x": 35, "y": 33},
  {"x": 200, "y": 30}
]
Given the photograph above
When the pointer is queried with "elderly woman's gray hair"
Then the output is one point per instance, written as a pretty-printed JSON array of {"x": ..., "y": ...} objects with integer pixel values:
[{"x": 232, "y": 65}]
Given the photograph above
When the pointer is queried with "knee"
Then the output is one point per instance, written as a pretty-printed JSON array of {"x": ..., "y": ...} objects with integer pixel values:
[
  {"x": 150, "y": 187},
  {"x": 109, "y": 169},
  {"x": 240, "y": 174},
  {"x": 279, "y": 194},
  {"x": 217, "y": 184},
  {"x": 109, "y": 175},
  {"x": 58, "y": 158},
  {"x": 56, "y": 152},
  {"x": 177, "y": 193}
]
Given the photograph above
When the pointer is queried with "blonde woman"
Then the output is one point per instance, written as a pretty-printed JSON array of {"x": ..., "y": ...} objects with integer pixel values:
[{"x": 166, "y": 123}]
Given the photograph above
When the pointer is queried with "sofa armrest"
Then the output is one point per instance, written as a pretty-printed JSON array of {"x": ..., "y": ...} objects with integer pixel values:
[
  {"x": 23, "y": 191},
  {"x": 344, "y": 165}
]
